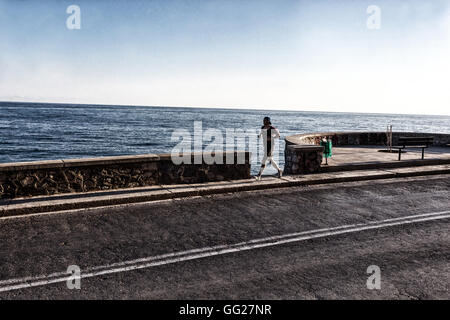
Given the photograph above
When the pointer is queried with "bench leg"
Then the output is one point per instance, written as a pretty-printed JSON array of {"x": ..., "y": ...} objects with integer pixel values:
[
  {"x": 399, "y": 154},
  {"x": 423, "y": 153}
]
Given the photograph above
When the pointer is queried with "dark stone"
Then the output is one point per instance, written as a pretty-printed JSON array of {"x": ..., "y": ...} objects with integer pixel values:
[{"x": 87, "y": 176}]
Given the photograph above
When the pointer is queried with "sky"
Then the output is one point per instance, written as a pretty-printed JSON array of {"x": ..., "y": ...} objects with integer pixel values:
[{"x": 283, "y": 55}]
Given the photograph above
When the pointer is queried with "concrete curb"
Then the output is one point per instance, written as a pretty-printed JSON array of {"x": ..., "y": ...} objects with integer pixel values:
[
  {"x": 24, "y": 206},
  {"x": 386, "y": 165}
]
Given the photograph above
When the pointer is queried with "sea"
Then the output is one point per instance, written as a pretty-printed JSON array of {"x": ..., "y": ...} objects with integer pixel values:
[{"x": 46, "y": 131}]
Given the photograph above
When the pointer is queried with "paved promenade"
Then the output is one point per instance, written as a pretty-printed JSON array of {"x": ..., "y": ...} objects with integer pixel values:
[{"x": 344, "y": 158}]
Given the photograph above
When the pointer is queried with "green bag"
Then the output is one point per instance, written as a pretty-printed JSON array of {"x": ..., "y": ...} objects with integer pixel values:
[{"x": 327, "y": 152}]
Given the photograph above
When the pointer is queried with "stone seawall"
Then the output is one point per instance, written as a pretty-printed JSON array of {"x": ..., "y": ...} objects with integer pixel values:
[
  {"x": 82, "y": 175},
  {"x": 302, "y": 159},
  {"x": 362, "y": 138}
]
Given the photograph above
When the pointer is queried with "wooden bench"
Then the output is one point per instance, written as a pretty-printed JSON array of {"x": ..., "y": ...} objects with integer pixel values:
[{"x": 413, "y": 142}]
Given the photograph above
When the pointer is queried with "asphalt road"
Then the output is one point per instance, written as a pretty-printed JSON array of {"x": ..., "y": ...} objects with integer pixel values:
[{"x": 414, "y": 259}]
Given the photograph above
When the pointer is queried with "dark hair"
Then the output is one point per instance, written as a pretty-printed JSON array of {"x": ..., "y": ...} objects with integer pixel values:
[{"x": 267, "y": 119}]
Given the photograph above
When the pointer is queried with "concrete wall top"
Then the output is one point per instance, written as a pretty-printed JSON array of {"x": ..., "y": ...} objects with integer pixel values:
[
  {"x": 67, "y": 163},
  {"x": 362, "y": 137},
  {"x": 305, "y": 147}
]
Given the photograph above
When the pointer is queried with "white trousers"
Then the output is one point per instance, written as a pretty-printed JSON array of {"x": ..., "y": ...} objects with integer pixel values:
[{"x": 271, "y": 161}]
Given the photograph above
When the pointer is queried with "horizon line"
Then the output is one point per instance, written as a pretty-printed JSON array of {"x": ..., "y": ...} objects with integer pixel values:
[{"x": 222, "y": 108}]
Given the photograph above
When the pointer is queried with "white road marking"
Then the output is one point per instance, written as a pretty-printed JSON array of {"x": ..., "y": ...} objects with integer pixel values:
[
  {"x": 85, "y": 210},
  {"x": 27, "y": 282}
]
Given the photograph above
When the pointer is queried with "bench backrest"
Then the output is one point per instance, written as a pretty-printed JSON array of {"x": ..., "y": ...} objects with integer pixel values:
[{"x": 415, "y": 141}]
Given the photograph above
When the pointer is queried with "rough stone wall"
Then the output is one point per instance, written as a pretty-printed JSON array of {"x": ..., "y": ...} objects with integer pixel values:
[
  {"x": 341, "y": 139},
  {"x": 170, "y": 173},
  {"x": 364, "y": 138},
  {"x": 49, "y": 181},
  {"x": 54, "y": 177},
  {"x": 302, "y": 160},
  {"x": 440, "y": 139}
]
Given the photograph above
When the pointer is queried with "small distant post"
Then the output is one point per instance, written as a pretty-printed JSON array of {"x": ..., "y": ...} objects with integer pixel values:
[{"x": 389, "y": 137}]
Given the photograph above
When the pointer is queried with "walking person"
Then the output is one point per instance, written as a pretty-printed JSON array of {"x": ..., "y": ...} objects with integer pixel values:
[{"x": 269, "y": 133}]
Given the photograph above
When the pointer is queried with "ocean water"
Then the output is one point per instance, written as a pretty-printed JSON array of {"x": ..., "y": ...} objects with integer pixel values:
[{"x": 37, "y": 131}]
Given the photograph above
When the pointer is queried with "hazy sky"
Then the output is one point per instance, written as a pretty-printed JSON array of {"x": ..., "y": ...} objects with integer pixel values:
[{"x": 289, "y": 55}]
